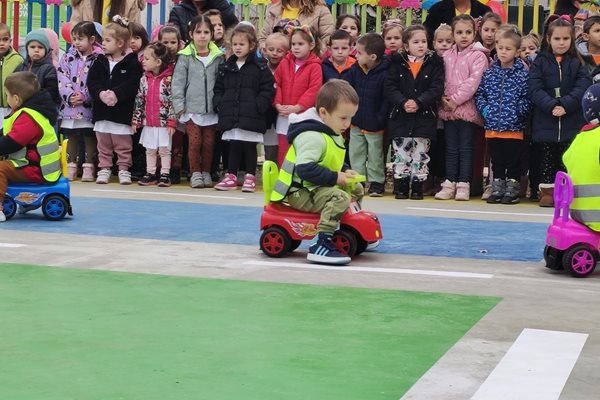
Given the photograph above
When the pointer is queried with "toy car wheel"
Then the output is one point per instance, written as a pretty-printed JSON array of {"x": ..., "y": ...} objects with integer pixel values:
[
  {"x": 580, "y": 260},
  {"x": 553, "y": 258},
  {"x": 294, "y": 244},
  {"x": 361, "y": 245},
  {"x": 54, "y": 208},
  {"x": 10, "y": 207},
  {"x": 345, "y": 242},
  {"x": 275, "y": 242}
]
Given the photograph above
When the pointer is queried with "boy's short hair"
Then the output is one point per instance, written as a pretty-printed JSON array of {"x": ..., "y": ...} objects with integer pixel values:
[
  {"x": 340, "y": 35},
  {"x": 281, "y": 37},
  {"x": 591, "y": 21},
  {"x": 24, "y": 84},
  {"x": 334, "y": 92},
  {"x": 512, "y": 35},
  {"x": 374, "y": 44}
]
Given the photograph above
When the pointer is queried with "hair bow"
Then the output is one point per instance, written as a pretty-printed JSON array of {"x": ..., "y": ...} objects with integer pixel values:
[
  {"x": 290, "y": 28},
  {"x": 566, "y": 17},
  {"x": 121, "y": 21},
  {"x": 393, "y": 23}
]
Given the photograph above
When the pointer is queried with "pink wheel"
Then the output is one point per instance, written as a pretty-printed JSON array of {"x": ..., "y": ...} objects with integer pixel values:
[{"x": 580, "y": 260}]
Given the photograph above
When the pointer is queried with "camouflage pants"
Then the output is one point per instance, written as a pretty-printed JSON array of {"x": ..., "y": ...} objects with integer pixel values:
[{"x": 330, "y": 202}]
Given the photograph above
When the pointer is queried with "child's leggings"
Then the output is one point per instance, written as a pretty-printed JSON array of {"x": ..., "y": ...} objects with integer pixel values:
[
  {"x": 75, "y": 137},
  {"x": 411, "y": 157},
  {"x": 119, "y": 144},
  {"x": 459, "y": 150},
  {"x": 552, "y": 160},
  {"x": 201, "y": 145},
  {"x": 165, "y": 160},
  {"x": 506, "y": 158},
  {"x": 242, "y": 156}
]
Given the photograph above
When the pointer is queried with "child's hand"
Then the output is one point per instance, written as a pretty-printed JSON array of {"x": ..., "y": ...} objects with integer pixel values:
[
  {"x": 112, "y": 97},
  {"x": 134, "y": 128},
  {"x": 411, "y": 106},
  {"x": 294, "y": 109},
  {"x": 171, "y": 131},
  {"x": 341, "y": 179},
  {"x": 449, "y": 104},
  {"x": 105, "y": 97},
  {"x": 75, "y": 99},
  {"x": 558, "y": 111},
  {"x": 282, "y": 109}
]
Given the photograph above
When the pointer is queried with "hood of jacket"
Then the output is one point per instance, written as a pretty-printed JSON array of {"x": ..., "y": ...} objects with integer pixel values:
[
  {"x": 42, "y": 102},
  {"x": 477, "y": 46},
  {"x": 309, "y": 120},
  {"x": 96, "y": 49},
  {"x": 583, "y": 48},
  {"x": 190, "y": 50}
]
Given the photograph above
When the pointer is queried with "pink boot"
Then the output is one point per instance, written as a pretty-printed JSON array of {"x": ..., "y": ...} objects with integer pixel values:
[
  {"x": 71, "y": 171},
  {"x": 249, "y": 183},
  {"x": 228, "y": 182},
  {"x": 88, "y": 173},
  {"x": 463, "y": 191},
  {"x": 447, "y": 192}
]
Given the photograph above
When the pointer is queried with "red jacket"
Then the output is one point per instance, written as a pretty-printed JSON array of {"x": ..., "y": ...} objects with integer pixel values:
[
  {"x": 298, "y": 87},
  {"x": 153, "y": 105}
]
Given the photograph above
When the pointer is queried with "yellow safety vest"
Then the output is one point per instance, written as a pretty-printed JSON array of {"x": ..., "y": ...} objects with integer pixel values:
[
  {"x": 47, "y": 147},
  {"x": 582, "y": 160},
  {"x": 333, "y": 159}
]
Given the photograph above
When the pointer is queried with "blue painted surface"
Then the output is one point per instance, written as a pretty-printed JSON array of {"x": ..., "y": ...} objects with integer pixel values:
[{"x": 144, "y": 219}]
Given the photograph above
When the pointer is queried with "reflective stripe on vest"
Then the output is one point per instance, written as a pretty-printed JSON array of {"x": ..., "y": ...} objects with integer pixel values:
[
  {"x": 47, "y": 146},
  {"x": 333, "y": 159}
]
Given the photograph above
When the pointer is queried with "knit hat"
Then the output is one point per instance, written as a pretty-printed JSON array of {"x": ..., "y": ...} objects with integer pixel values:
[
  {"x": 38, "y": 35},
  {"x": 591, "y": 104}
]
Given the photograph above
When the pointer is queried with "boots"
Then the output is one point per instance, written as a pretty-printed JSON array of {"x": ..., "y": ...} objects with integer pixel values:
[
  {"x": 88, "y": 172},
  {"x": 401, "y": 187},
  {"x": 447, "y": 192},
  {"x": 498, "y": 190},
  {"x": 546, "y": 195},
  {"x": 463, "y": 191},
  {"x": 416, "y": 190},
  {"x": 428, "y": 186},
  {"x": 71, "y": 171},
  {"x": 513, "y": 188}
]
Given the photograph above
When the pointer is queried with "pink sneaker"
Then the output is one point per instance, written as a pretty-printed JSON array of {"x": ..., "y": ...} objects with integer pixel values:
[
  {"x": 71, "y": 171},
  {"x": 249, "y": 183},
  {"x": 227, "y": 183}
]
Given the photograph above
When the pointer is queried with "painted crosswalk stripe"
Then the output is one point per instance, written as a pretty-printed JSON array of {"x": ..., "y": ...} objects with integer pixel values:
[
  {"x": 11, "y": 245},
  {"x": 536, "y": 367}
]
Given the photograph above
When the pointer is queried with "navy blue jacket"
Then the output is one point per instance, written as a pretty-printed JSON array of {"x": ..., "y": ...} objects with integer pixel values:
[
  {"x": 502, "y": 97},
  {"x": 551, "y": 85},
  {"x": 426, "y": 90},
  {"x": 373, "y": 107},
  {"x": 329, "y": 71}
]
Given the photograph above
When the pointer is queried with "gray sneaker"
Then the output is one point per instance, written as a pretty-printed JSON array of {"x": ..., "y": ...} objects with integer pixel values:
[
  {"x": 103, "y": 176},
  {"x": 125, "y": 177},
  {"x": 207, "y": 179},
  {"x": 196, "y": 180}
]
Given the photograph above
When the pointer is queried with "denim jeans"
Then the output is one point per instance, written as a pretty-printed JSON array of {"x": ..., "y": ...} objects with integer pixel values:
[{"x": 459, "y": 150}]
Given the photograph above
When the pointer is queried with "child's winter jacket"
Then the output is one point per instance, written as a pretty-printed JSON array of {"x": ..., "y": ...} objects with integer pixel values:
[
  {"x": 193, "y": 82},
  {"x": 330, "y": 72},
  {"x": 298, "y": 87},
  {"x": 8, "y": 64},
  {"x": 244, "y": 95},
  {"x": 124, "y": 80},
  {"x": 502, "y": 97},
  {"x": 73, "y": 71},
  {"x": 552, "y": 84},
  {"x": 426, "y": 90},
  {"x": 463, "y": 74},
  {"x": 46, "y": 73},
  {"x": 153, "y": 105},
  {"x": 372, "y": 107}
]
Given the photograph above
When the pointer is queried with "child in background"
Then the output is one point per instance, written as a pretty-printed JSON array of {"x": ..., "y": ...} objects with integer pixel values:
[
  {"x": 76, "y": 106},
  {"x": 367, "y": 77},
  {"x": 558, "y": 79},
  {"x": 192, "y": 90},
  {"x": 217, "y": 22},
  {"x": 414, "y": 87},
  {"x": 337, "y": 65},
  {"x": 392, "y": 35},
  {"x": 298, "y": 80},
  {"x": 113, "y": 81},
  {"x": 154, "y": 112},
  {"x": 350, "y": 24},
  {"x": 503, "y": 102},
  {"x": 530, "y": 45},
  {"x": 30, "y": 127},
  {"x": 169, "y": 36},
  {"x": 9, "y": 61},
  {"x": 139, "y": 39},
  {"x": 464, "y": 64},
  {"x": 489, "y": 24},
  {"x": 39, "y": 61},
  {"x": 244, "y": 92},
  {"x": 590, "y": 48},
  {"x": 443, "y": 39}
]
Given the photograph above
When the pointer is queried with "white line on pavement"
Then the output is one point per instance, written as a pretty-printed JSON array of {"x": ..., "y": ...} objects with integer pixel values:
[
  {"x": 11, "y": 245},
  {"x": 448, "y": 210},
  {"x": 450, "y": 274},
  {"x": 536, "y": 367},
  {"x": 168, "y": 194}
]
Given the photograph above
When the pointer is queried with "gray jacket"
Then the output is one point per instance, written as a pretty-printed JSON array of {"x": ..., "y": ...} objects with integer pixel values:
[{"x": 193, "y": 82}]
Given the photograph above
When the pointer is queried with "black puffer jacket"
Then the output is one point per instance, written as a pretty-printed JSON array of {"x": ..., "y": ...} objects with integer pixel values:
[
  {"x": 46, "y": 74},
  {"x": 182, "y": 13},
  {"x": 243, "y": 96},
  {"x": 427, "y": 90}
]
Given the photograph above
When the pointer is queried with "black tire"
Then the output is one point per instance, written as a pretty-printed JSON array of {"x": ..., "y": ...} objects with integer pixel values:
[
  {"x": 361, "y": 245},
  {"x": 275, "y": 242},
  {"x": 580, "y": 260},
  {"x": 294, "y": 244},
  {"x": 10, "y": 207},
  {"x": 553, "y": 258},
  {"x": 345, "y": 241},
  {"x": 55, "y": 207}
]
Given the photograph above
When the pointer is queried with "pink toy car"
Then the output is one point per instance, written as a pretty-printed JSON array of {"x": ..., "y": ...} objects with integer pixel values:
[{"x": 570, "y": 245}]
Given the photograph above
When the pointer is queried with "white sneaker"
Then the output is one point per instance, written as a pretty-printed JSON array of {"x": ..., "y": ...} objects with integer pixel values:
[
  {"x": 196, "y": 181},
  {"x": 487, "y": 192},
  {"x": 103, "y": 176},
  {"x": 125, "y": 177},
  {"x": 2, "y": 216}
]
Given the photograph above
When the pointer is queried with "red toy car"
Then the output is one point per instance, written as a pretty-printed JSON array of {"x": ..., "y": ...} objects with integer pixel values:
[{"x": 284, "y": 228}]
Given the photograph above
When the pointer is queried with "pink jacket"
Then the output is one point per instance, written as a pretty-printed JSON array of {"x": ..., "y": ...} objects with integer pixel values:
[
  {"x": 153, "y": 105},
  {"x": 463, "y": 74}
]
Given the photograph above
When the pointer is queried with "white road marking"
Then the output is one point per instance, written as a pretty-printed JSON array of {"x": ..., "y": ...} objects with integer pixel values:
[
  {"x": 450, "y": 274},
  {"x": 447, "y": 210},
  {"x": 536, "y": 367},
  {"x": 168, "y": 194},
  {"x": 11, "y": 245}
]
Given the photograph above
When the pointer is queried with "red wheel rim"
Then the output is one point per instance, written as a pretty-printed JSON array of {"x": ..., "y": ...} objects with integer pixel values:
[
  {"x": 273, "y": 243},
  {"x": 582, "y": 262},
  {"x": 341, "y": 243}
]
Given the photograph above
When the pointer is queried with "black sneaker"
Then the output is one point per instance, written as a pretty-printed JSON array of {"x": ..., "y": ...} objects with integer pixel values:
[
  {"x": 164, "y": 180},
  {"x": 147, "y": 180},
  {"x": 325, "y": 252},
  {"x": 175, "y": 176},
  {"x": 376, "y": 189}
]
